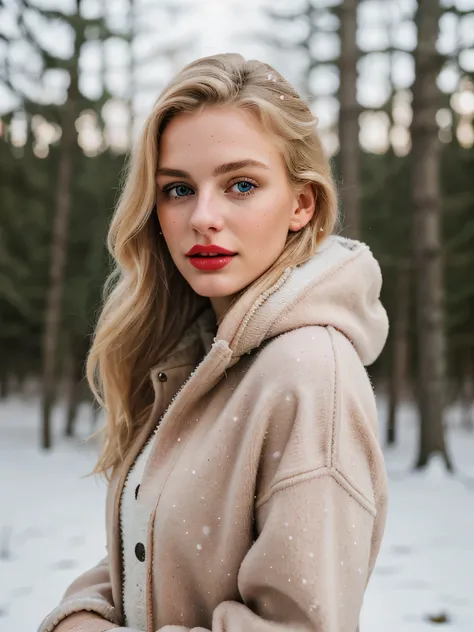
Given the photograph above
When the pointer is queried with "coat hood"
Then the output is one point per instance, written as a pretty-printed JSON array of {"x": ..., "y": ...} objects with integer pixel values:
[{"x": 339, "y": 287}]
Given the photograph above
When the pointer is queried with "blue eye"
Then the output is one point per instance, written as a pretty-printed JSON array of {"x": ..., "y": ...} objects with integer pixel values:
[
  {"x": 180, "y": 190},
  {"x": 244, "y": 187}
]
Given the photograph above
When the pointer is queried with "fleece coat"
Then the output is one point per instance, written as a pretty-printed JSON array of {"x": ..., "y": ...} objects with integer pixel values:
[{"x": 264, "y": 486}]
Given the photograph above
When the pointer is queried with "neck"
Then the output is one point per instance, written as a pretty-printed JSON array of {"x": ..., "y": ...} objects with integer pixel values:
[{"x": 220, "y": 304}]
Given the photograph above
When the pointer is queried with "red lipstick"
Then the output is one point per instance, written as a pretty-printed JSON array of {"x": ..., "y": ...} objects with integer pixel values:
[{"x": 209, "y": 258}]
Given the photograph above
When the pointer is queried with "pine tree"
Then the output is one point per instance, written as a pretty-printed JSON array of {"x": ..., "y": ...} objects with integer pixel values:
[{"x": 427, "y": 249}]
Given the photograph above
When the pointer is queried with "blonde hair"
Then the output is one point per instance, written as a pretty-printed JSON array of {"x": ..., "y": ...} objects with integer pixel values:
[{"x": 141, "y": 320}]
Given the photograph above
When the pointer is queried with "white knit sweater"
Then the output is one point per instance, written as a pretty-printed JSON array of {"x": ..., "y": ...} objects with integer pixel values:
[{"x": 134, "y": 519}]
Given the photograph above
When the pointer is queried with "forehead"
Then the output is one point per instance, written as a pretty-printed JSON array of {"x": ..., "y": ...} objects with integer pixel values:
[{"x": 216, "y": 135}]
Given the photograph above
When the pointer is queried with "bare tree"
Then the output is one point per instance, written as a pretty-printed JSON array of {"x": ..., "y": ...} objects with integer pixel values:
[
  {"x": 350, "y": 153},
  {"x": 467, "y": 392},
  {"x": 402, "y": 269},
  {"x": 427, "y": 238},
  {"x": 280, "y": 39},
  {"x": 68, "y": 150},
  {"x": 400, "y": 347}
]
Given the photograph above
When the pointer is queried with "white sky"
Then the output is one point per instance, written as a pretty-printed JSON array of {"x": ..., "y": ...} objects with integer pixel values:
[{"x": 209, "y": 26}]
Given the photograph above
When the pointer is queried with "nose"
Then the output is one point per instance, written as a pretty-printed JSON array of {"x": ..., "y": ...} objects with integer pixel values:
[{"x": 207, "y": 215}]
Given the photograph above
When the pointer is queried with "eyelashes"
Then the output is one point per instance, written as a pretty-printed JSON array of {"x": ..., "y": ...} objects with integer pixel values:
[
  {"x": 245, "y": 182},
  {"x": 181, "y": 191}
]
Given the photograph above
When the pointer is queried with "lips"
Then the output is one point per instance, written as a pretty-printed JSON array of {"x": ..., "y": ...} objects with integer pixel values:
[
  {"x": 209, "y": 258},
  {"x": 208, "y": 250}
]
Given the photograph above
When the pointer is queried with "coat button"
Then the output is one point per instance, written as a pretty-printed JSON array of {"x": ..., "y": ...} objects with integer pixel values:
[
  {"x": 136, "y": 491},
  {"x": 162, "y": 377},
  {"x": 140, "y": 552}
]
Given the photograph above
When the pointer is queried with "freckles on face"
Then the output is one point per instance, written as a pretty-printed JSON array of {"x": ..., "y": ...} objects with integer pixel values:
[{"x": 222, "y": 182}]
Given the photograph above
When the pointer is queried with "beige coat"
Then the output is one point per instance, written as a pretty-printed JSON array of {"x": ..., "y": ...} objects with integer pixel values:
[{"x": 266, "y": 483}]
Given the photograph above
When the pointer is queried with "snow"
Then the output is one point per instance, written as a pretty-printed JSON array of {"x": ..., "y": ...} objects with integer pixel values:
[
  {"x": 51, "y": 517},
  {"x": 52, "y": 526},
  {"x": 425, "y": 564}
]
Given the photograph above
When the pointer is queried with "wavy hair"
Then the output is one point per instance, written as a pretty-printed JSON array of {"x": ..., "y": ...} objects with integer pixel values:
[{"x": 141, "y": 320}]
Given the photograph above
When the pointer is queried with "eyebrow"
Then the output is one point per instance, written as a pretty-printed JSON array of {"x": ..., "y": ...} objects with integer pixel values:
[{"x": 221, "y": 170}]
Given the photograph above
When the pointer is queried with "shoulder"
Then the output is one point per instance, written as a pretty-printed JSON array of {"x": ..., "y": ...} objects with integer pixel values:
[
  {"x": 317, "y": 364},
  {"x": 298, "y": 356},
  {"x": 327, "y": 418}
]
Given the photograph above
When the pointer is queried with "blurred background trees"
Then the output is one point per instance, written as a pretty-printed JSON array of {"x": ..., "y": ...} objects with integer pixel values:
[{"x": 392, "y": 84}]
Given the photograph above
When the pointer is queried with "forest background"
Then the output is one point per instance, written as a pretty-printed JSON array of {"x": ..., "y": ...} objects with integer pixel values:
[{"x": 391, "y": 82}]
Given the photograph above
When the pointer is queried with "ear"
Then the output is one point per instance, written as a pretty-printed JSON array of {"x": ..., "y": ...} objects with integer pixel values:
[{"x": 305, "y": 207}]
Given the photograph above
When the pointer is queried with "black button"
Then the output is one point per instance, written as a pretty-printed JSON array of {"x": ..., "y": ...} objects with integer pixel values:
[
  {"x": 162, "y": 377},
  {"x": 140, "y": 552},
  {"x": 136, "y": 491}
]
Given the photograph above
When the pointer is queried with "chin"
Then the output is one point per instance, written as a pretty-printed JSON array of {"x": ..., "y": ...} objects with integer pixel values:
[{"x": 215, "y": 288}]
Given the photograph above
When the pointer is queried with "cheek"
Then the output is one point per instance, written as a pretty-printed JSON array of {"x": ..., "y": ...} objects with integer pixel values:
[
  {"x": 171, "y": 223},
  {"x": 268, "y": 217}
]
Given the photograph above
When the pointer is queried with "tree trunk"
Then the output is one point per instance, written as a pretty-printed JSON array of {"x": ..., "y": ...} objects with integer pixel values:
[
  {"x": 427, "y": 239},
  {"x": 4, "y": 385},
  {"x": 95, "y": 410},
  {"x": 349, "y": 120},
  {"x": 467, "y": 394},
  {"x": 59, "y": 244},
  {"x": 57, "y": 267},
  {"x": 132, "y": 70},
  {"x": 74, "y": 376},
  {"x": 399, "y": 348}
]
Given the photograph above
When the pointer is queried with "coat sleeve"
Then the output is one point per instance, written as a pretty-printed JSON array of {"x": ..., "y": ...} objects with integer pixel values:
[
  {"x": 302, "y": 574},
  {"x": 86, "y": 605},
  {"x": 319, "y": 518}
]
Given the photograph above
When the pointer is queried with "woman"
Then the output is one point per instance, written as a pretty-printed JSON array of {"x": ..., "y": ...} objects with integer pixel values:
[{"x": 247, "y": 487}]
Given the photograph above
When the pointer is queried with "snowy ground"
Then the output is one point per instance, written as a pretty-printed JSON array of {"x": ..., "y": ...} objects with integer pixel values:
[{"x": 52, "y": 528}]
